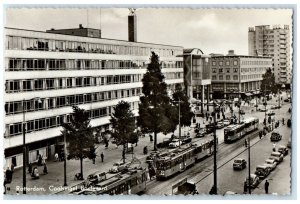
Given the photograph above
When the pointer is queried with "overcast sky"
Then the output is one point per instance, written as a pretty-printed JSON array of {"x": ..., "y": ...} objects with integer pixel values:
[{"x": 211, "y": 30}]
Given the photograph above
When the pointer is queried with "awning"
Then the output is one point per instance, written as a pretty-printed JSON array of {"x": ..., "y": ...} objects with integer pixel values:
[{"x": 248, "y": 94}]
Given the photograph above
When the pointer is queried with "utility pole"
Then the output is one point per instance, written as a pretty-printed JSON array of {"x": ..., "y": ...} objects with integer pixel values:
[
  {"x": 249, "y": 187},
  {"x": 24, "y": 150},
  {"x": 215, "y": 151},
  {"x": 65, "y": 160},
  {"x": 179, "y": 123}
]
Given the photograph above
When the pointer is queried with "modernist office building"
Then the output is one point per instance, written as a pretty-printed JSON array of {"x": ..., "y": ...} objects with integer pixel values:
[
  {"x": 48, "y": 72},
  {"x": 237, "y": 75},
  {"x": 273, "y": 42},
  {"x": 197, "y": 74}
]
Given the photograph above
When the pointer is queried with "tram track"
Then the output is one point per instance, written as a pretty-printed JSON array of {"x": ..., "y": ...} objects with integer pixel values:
[{"x": 158, "y": 187}]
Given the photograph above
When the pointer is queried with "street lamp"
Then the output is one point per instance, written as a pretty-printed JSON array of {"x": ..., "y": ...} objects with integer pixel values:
[
  {"x": 249, "y": 187},
  {"x": 24, "y": 143},
  {"x": 179, "y": 101}
]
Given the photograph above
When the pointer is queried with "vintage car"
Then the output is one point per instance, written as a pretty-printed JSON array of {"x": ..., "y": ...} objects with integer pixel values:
[
  {"x": 262, "y": 171},
  {"x": 283, "y": 150},
  {"x": 239, "y": 164},
  {"x": 118, "y": 167},
  {"x": 201, "y": 132},
  {"x": 220, "y": 125},
  {"x": 275, "y": 136},
  {"x": 175, "y": 143},
  {"x": 277, "y": 156},
  {"x": 270, "y": 113},
  {"x": 254, "y": 181},
  {"x": 271, "y": 163}
]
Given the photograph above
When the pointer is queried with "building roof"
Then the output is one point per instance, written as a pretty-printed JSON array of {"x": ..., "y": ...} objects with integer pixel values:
[{"x": 241, "y": 56}]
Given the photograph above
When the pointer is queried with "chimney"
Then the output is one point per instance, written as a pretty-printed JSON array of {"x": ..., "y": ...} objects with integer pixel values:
[
  {"x": 132, "y": 31},
  {"x": 230, "y": 52},
  {"x": 80, "y": 26}
]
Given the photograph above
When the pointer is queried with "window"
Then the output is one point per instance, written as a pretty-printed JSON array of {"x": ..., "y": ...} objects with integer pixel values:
[
  {"x": 235, "y": 70},
  {"x": 38, "y": 84},
  {"x": 227, "y": 70},
  {"x": 228, "y": 77},
  {"x": 221, "y": 70},
  {"x": 220, "y": 63},
  {"x": 235, "y": 62},
  {"x": 79, "y": 82},
  {"x": 214, "y": 63},
  {"x": 221, "y": 77},
  {"x": 69, "y": 82},
  {"x": 50, "y": 84},
  {"x": 214, "y": 70},
  {"x": 235, "y": 77},
  {"x": 227, "y": 63}
]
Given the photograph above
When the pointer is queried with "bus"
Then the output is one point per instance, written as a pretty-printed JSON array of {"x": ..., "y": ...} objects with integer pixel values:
[
  {"x": 129, "y": 181},
  {"x": 179, "y": 160},
  {"x": 235, "y": 132}
]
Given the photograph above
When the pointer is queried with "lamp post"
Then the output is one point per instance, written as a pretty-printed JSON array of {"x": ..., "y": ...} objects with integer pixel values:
[
  {"x": 24, "y": 144},
  {"x": 179, "y": 101},
  {"x": 249, "y": 187},
  {"x": 65, "y": 159}
]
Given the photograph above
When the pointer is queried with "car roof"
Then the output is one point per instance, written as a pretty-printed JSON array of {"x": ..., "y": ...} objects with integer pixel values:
[
  {"x": 275, "y": 153},
  {"x": 270, "y": 160},
  {"x": 239, "y": 159},
  {"x": 261, "y": 166}
]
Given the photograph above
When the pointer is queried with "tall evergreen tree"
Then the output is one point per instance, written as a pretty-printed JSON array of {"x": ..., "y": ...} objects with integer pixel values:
[
  {"x": 123, "y": 124},
  {"x": 185, "y": 111},
  {"x": 79, "y": 135},
  {"x": 156, "y": 113},
  {"x": 268, "y": 83}
]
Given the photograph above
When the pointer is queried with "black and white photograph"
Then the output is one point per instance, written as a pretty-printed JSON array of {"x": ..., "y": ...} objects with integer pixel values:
[{"x": 148, "y": 101}]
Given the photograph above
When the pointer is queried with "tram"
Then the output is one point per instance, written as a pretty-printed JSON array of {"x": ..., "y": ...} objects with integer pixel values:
[
  {"x": 179, "y": 160},
  {"x": 129, "y": 181},
  {"x": 235, "y": 132}
]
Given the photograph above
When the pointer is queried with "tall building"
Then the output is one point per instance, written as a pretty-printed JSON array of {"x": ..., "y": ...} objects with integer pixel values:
[
  {"x": 197, "y": 76},
  {"x": 273, "y": 42},
  {"x": 236, "y": 76},
  {"x": 48, "y": 72}
]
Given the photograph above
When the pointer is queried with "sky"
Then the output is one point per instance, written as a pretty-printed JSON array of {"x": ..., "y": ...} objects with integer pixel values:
[{"x": 211, "y": 30}]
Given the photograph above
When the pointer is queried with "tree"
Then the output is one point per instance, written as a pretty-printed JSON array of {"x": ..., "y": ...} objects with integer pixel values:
[
  {"x": 185, "y": 110},
  {"x": 156, "y": 113},
  {"x": 268, "y": 82},
  {"x": 79, "y": 135},
  {"x": 123, "y": 124}
]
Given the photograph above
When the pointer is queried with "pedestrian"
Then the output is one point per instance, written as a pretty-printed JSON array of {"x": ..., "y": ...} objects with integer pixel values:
[
  {"x": 29, "y": 168},
  {"x": 245, "y": 187},
  {"x": 267, "y": 187},
  {"x": 8, "y": 175},
  {"x": 39, "y": 160},
  {"x": 56, "y": 157},
  {"x": 245, "y": 142},
  {"x": 45, "y": 169},
  {"x": 102, "y": 156},
  {"x": 274, "y": 147},
  {"x": 282, "y": 121},
  {"x": 260, "y": 134},
  {"x": 12, "y": 167}
]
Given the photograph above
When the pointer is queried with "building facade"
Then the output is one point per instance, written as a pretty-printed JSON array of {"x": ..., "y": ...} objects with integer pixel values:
[
  {"x": 273, "y": 42},
  {"x": 237, "y": 75},
  {"x": 46, "y": 73},
  {"x": 197, "y": 74}
]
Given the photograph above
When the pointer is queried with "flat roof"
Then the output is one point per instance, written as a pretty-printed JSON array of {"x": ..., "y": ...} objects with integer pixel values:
[
  {"x": 91, "y": 37},
  {"x": 241, "y": 56}
]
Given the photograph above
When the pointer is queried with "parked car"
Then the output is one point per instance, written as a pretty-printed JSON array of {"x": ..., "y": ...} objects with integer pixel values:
[
  {"x": 262, "y": 109},
  {"x": 226, "y": 122},
  {"x": 270, "y": 113},
  {"x": 271, "y": 163},
  {"x": 201, "y": 132},
  {"x": 283, "y": 150},
  {"x": 277, "y": 156},
  {"x": 242, "y": 112},
  {"x": 286, "y": 100},
  {"x": 289, "y": 143},
  {"x": 118, "y": 167},
  {"x": 185, "y": 139},
  {"x": 254, "y": 181},
  {"x": 239, "y": 163},
  {"x": 275, "y": 107},
  {"x": 262, "y": 171},
  {"x": 275, "y": 137},
  {"x": 96, "y": 177},
  {"x": 220, "y": 125},
  {"x": 175, "y": 143},
  {"x": 164, "y": 143}
]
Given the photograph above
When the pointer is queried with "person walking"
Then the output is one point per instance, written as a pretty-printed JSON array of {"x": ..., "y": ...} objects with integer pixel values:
[
  {"x": 246, "y": 143},
  {"x": 267, "y": 187},
  {"x": 45, "y": 169},
  {"x": 56, "y": 157},
  {"x": 29, "y": 168},
  {"x": 102, "y": 156},
  {"x": 274, "y": 147}
]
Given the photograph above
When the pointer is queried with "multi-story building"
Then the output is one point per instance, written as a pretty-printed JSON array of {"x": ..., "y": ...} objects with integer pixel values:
[
  {"x": 237, "y": 75},
  {"x": 197, "y": 76},
  {"x": 48, "y": 72},
  {"x": 273, "y": 42}
]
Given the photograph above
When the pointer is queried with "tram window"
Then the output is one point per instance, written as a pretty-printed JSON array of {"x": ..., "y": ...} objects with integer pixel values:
[{"x": 133, "y": 182}]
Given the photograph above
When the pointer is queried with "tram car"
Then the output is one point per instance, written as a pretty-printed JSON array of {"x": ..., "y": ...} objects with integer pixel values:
[
  {"x": 129, "y": 181},
  {"x": 237, "y": 131},
  {"x": 179, "y": 160}
]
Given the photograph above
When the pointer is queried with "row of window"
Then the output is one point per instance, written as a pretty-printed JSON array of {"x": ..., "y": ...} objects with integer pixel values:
[
  {"x": 17, "y": 64},
  {"x": 251, "y": 76},
  {"x": 254, "y": 69},
  {"x": 227, "y": 63},
  {"x": 56, "y": 121},
  {"x": 23, "y": 43},
  {"x": 227, "y": 77},
  {"x": 227, "y": 70},
  {"x": 256, "y": 62},
  {"x": 61, "y": 83},
  {"x": 62, "y": 101}
]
